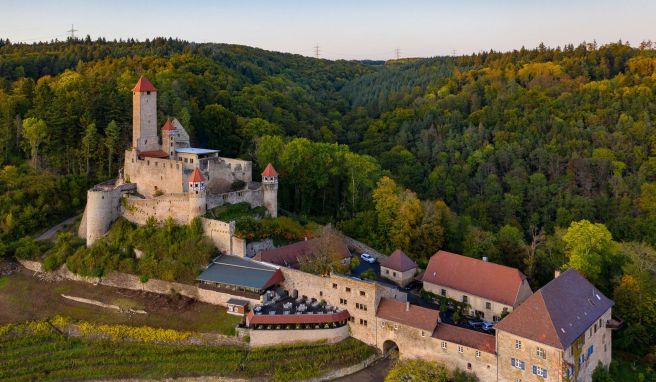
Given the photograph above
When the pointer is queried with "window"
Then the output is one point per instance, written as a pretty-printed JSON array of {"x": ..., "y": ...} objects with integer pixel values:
[
  {"x": 488, "y": 305},
  {"x": 595, "y": 327},
  {"x": 600, "y": 325},
  {"x": 540, "y": 352},
  {"x": 590, "y": 333},
  {"x": 518, "y": 364},
  {"x": 360, "y": 306},
  {"x": 539, "y": 371},
  {"x": 396, "y": 327},
  {"x": 362, "y": 293},
  {"x": 393, "y": 274},
  {"x": 423, "y": 334},
  {"x": 320, "y": 293},
  {"x": 443, "y": 345},
  {"x": 464, "y": 298},
  {"x": 191, "y": 160},
  {"x": 387, "y": 271},
  {"x": 443, "y": 292},
  {"x": 461, "y": 349},
  {"x": 334, "y": 286},
  {"x": 518, "y": 344},
  {"x": 478, "y": 354},
  {"x": 363, "y": 322},
  {"x": 352, "y": 319},
  {"x": 348, "y": 289},
  {"x": 590, "y": 350},
  {"x": 343, "y": 301},
  {"x": 468, "y": 366},
  {"x": 518, "y": 380}
]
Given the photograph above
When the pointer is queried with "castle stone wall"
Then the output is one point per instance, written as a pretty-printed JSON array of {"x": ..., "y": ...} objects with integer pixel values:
[
  {"x": 222, "y": 235},
  {"x": 103, "y": 207},
  {"x": 152, "y": 175},
  {"x": 138, "y": 210},
  {"x": 252, "y": 197},
  {"x": 230, "y": 168}
]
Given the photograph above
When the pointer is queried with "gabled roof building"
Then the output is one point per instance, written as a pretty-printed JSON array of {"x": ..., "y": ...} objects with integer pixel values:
[
  {"x": 398, "y": 268},
  {"x": 561, "y": 332},
  {"x": 491, "y": 290}
]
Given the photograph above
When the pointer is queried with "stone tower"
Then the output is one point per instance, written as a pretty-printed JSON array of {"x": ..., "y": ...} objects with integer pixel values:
[
  {"x": 101, "y": 210},
  {"x": 144, "y": 116},
  {"x": 270, "y": 190},
  {"x": 169, "y": 139},
  {"x": 197, "y": 194}
]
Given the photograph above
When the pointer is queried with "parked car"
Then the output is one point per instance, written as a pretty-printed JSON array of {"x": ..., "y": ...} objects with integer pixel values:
[
  {"x": 475, "y": 323},
  {"x": 487, "y": 326},
  {"x": 368, "y": 258}
]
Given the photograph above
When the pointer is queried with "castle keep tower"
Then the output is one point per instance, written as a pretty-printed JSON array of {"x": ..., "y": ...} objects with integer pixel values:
[
  {"x": 144, "y": 116},
  {"x": 197, "y": 194},
  {"x": 270, "y": 190}
]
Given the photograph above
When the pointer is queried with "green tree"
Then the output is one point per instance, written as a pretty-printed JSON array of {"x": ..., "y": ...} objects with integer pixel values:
[
  {"x": 601, "y": 374},
  {"x": 89, "y": 143},
  {"x": 112, "y": 141},
  {"x": 587, "y": 246},
  {"x": 511, "y": 246},
  {"x": 35, "y": 131}
]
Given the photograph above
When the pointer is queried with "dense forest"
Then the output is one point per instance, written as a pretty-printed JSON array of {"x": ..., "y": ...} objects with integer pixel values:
[{"x": 537, "y": 158}]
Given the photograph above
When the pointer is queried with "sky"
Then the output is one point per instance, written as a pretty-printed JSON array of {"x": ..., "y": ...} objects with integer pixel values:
[{"x": 342, "y": 29}]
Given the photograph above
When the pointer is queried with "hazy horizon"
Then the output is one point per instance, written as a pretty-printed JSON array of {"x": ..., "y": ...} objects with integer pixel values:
[{"x": 343, "y": 30}]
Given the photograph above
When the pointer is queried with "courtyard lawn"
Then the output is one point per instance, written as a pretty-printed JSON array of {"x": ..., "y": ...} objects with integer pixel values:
[
  {"x": 24, "y": 297},
  {"x": 55, "y": 357}
]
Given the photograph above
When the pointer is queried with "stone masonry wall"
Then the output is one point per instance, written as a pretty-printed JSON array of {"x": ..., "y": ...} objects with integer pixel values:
[
  {"x": 152, "y": 174},
  {"x": 128, "y": 281},
  {"x": 221, "y": 235},
  {"x": 138, "y": 210},
  {"x": 252, "y": 197},
  {"x": 277, "y": 337},
  {"x": 359, "y": 297},
  {"x": 416, "y": 343}
]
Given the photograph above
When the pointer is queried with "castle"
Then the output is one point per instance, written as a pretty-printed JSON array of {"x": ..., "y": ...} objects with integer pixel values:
[{"x": 167, "y": 178}]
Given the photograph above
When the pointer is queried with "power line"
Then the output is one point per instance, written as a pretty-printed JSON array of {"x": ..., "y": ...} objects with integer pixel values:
[
  {"x": 72, "y": 32},
  {"x": 316, "y": 51},
  {"x": 398, "y": 53}
]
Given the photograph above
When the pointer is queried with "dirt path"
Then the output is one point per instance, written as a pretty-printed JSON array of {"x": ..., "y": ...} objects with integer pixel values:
[{"x": 50, "y": 233}]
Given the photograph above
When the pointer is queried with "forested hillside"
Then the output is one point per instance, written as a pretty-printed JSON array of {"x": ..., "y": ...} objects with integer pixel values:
[{"x": 519, "y": 156}]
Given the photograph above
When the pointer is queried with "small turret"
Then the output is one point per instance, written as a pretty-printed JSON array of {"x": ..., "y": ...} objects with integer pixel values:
[
  {"x": 270, "y": 190},
  {"x": 197, "y": 195},
  {"x": 169, "y": 138}
]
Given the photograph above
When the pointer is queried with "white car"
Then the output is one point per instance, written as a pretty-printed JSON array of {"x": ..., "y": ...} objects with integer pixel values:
[{"x": 368, "y": 258}]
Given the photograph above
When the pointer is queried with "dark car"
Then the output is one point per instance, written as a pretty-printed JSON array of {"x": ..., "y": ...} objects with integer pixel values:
[{"x": 474, "y": 323}]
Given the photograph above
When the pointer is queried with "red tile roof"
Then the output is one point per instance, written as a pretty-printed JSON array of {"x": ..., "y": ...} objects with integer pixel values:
[
  {"x": 269, "y": 171},
  {"x": 558, "y": 313},
  {"x": 144, "y": 85},
  {"x": 408, "y": 314},
  {"x": 289, "y": 255},
  {"x": 284, "y": 319},
  {"x": 466, "y": 337},
  {"x": 196, "y": 176},
  {"x": 477, "y": 277},
  {"x": 168, "y": 126},
  {"x": 153, "y": 154},
  {"x": 398, "y": 261}
]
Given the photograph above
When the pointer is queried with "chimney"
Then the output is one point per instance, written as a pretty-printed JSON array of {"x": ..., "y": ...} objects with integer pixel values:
[
  {"x": 485, "y": 258},
  {"x": 556, "y": 273},
  {"x": 407, "y": 306}
]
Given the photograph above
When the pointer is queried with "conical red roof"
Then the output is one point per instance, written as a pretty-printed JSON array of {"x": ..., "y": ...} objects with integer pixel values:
[
  {"x": 196, "y": 176},
  {"x": 168, "y": 126},
  {"x": 144, "y": 85},
  {"x": 269, "y": 171}
]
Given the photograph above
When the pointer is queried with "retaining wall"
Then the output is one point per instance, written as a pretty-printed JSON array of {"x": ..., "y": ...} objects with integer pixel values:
[
  {"x": 279, "y": 337},
  {"x": 128, "y": 281}
]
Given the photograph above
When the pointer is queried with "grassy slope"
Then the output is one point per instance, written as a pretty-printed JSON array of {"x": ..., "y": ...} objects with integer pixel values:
[
  {"x": 53, "y": 357},
  {"x": 23, "y": 297}
]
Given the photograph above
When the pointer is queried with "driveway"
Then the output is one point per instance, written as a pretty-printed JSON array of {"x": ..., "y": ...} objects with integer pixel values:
[
  {"x": 52, "y": 232},
  {"x": 364, "y": 266}
]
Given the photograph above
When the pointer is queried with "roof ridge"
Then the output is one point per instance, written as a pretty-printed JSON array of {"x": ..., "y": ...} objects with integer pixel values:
[{"x": 551, "y": 321}]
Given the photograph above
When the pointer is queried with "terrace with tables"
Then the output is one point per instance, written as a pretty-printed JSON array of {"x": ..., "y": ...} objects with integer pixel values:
[{"x": 282, "y": 311}]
